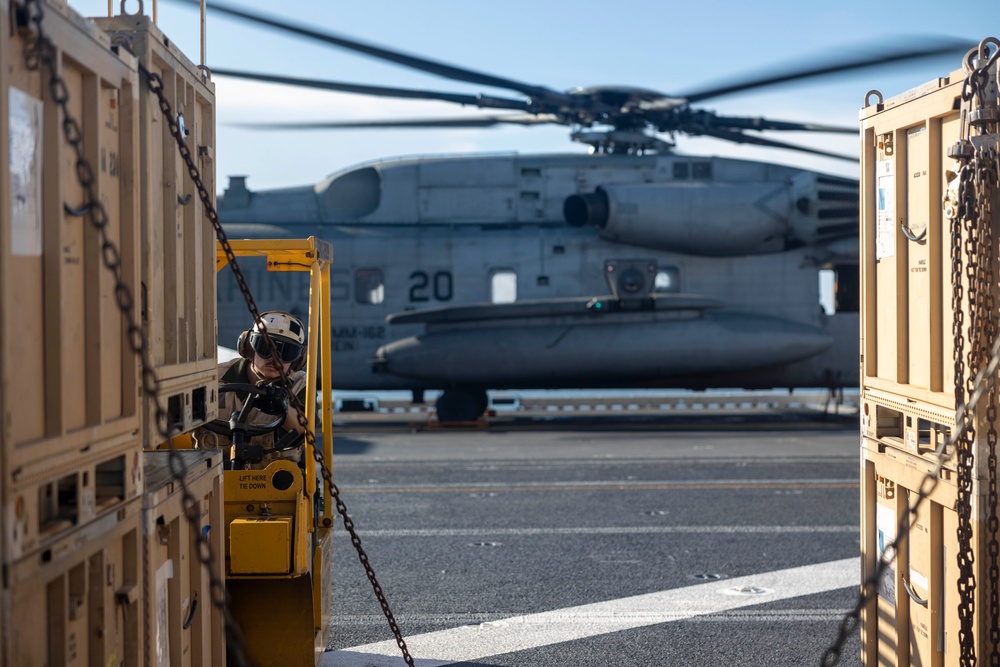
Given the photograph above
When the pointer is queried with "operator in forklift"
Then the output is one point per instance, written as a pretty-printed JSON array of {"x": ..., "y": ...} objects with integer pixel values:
[{"x": 253, "y": 404}]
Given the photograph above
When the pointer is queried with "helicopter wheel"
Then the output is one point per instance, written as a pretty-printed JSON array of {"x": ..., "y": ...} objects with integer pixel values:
[{"x": 461, "y": 405}]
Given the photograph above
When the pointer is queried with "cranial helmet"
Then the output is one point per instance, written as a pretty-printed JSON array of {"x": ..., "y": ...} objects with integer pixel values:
[{"x": 285, "y": 331}]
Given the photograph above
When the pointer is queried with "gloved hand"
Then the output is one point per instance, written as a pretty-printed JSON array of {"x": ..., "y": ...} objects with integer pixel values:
[{"x": 274, "y": 400}]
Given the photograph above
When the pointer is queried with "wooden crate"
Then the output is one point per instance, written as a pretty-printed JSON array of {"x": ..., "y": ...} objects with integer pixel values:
[
  {"x": 67, "y": 375},
  {"x": 907, "y": 339},
  {"x": 45, "y": 501},
  {"x": 182, "y": 625},
  {"x": 178, "y": 240},
  {"x": 78, "y": 602},
  {"x": 919, "y": 626}
]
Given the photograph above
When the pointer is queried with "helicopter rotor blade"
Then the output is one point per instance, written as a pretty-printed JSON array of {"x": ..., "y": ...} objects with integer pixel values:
[
  {"x": 944, "y": 46},
  {"x": 482, "y": 101},
  {"x": 476, "y": 121},
  {"x": 744, "y": 123},
  {"x": 740, "y": 138},
  {"x": 406, "y": 60}
]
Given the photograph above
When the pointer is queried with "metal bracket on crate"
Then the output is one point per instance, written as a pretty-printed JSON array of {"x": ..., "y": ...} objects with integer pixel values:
[
  {"x": 914, "y": 596},
  {"x": 916, "y": 238},
  {"x": 78, "y": 212}
]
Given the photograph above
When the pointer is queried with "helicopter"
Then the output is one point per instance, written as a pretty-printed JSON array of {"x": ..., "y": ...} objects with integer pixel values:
[{"x": 634, "y": 266}]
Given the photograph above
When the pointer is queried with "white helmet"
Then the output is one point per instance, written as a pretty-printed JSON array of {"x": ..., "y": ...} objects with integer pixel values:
[
  {"x": 284, "y": 330},
  {"x": 280, "y": 323}
]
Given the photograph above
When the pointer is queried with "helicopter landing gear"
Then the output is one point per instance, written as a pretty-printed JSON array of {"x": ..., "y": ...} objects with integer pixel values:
[{"x": 461, "y": 404}]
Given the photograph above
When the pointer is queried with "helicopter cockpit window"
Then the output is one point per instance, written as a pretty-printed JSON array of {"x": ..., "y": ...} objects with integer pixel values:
[
  {"x": 353, "y": 195},
  {"x": 667, "y": 279},
  {"x": 369, "y": 286},
  {"x": 503, "y": 286}
]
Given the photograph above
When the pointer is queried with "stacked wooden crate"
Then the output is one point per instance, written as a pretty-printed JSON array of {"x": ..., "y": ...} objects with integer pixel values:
[
  {"x": 908, "y": 376},
  {"x": 101, "y": 565},
  {"x": 71, "y": 448}
]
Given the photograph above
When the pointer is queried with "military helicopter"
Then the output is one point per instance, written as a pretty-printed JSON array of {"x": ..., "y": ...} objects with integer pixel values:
[{"x": 634, "y": 266}]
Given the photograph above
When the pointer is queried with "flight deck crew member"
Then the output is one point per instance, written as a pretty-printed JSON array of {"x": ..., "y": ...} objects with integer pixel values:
[{"x": 255, "y": 366}]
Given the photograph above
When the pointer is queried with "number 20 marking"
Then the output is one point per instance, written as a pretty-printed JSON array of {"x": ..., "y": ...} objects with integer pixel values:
[{"x": 440, "y": 286}]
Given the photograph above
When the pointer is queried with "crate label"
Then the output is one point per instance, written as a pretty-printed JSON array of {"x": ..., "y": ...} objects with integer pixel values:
[
  {"x": 885, "y": 227},
  {"x": 163, "y": 575},
  {"x": 885, "y": 520},
  {"x": 25, "y": 173}
]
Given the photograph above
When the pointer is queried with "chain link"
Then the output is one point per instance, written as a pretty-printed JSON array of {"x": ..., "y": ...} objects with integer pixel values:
[
  {"x": 156, "y": 86},
  {"x": 42, "y": 53}
]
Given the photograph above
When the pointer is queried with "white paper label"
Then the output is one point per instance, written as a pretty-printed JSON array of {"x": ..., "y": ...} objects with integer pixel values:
[
  {"x": 885, "y": 202},
  {"x": 25, "y": 173}
]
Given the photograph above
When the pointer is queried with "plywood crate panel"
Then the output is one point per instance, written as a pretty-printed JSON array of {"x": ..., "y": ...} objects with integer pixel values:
[
  {"x": 183, "y": 627},
  {"x": 178, "y": 239},
  {"x": 918, "y": 626},
  {"x": 67, "y": 375},
  {"x": 45, "y": 501},
  {"x": 907, "y": 283},
  {"x": 79, "y": 601}
]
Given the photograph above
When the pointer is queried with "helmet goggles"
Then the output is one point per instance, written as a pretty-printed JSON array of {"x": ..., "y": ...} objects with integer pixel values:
[{"x": 287, "y": 350}]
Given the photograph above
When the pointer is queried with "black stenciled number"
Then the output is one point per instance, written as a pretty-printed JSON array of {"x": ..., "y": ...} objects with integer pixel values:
[
  {"x": 419, "y": 286},
  {"x": 441, "y": 287}
]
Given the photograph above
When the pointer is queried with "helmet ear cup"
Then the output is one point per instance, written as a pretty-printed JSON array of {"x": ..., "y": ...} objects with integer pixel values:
[{"x": 243, "y": 345}]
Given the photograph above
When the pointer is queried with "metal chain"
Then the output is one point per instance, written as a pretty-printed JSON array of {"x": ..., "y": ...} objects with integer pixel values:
[
  {"x": 42, "y": 53},
  {"x": 156, "y": 86},
  {"x": 985, "y": 180},
  {"x": 965, "y": 447}
]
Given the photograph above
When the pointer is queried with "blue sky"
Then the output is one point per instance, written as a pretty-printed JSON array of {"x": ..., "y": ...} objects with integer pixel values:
[{"x": 671, "y": 47}]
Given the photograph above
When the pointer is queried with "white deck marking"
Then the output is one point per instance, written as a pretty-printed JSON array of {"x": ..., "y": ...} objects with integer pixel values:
[
  {"x": 602, "y": 530},
  {"x": 476, "y": 642}
]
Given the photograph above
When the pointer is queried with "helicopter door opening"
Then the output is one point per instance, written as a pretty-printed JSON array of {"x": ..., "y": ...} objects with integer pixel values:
[
  {"x": 503, "y": 286},
  {"x": 838, "y": 289}
]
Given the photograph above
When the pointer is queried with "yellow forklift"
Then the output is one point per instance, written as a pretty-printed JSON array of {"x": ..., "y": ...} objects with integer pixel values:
[{"x": 279, "y": 519}]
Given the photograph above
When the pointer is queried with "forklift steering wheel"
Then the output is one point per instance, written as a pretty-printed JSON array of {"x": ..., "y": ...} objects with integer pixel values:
[{"x": 225, "y": 426}]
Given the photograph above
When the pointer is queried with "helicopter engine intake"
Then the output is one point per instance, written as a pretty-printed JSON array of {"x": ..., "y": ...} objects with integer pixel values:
[{"x": 712, "y": 219}]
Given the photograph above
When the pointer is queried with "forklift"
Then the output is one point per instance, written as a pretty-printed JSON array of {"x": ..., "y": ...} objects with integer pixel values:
[{"x": 279, "y": 519}]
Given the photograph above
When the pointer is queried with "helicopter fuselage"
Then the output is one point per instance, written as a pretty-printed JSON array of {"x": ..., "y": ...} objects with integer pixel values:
[{"x": 726, "y": 257}]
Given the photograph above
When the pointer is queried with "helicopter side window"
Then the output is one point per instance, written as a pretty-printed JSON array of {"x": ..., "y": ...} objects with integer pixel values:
[
  {"x": 681, "y": 171},
  {"x": 839, "y": 291},
  {"x": 503, "y": 286},
  {"x": 667, "y": 279},
  {"x": 369, "y": 286},
  {"x": 701, "y": 171}
]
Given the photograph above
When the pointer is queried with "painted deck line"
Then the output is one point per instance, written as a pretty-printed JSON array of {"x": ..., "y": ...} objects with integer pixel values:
[
  {"x": 614, "y": 485},
  {"x": 519, "y": 633},
  {"x": 604, "y": 530}
]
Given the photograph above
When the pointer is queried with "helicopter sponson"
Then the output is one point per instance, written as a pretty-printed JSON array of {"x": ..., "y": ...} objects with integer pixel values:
[
  {"x": 568, "y": 341},
  {"x": 720, "y": 219}
]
